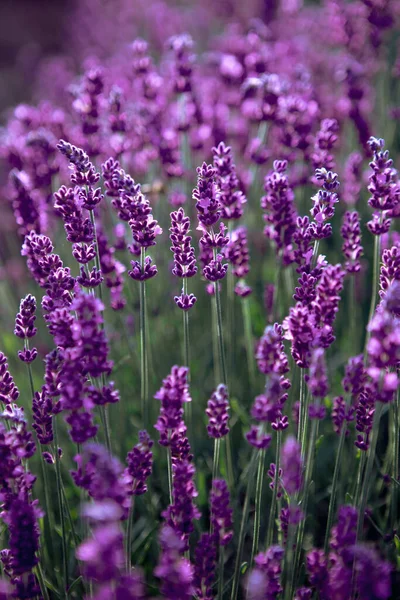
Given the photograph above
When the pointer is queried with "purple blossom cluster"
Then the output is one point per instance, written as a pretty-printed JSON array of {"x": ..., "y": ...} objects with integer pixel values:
[{"x": 263, "y": 128}]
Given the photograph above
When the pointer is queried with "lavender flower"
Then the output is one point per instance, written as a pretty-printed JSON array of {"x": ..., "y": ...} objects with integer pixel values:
[
  {"x": 140, "y": 462},
  {"x": 206, "y": 196},
  {"x": 9, "y": 392},
  {"x": 324, "y": 202},
  {"x": 184, "y": 258},
  {"x": 174, "y": 571},
  {"x": 263, "y": 582},
  {"x": 230, "y": 197},
  {"x": 42, "y": 411},
  {"x": 103, "y": 554},
  {"x": 383, "y": 350},
  {"x": 270, "y": 353},
  {"x": 218, "y": 413},
  {"x": 317, "y": 380},
  {"x": 204, "y": 566},
  {"x": 390, "y": 270},
  {"x": 292, "y": 466},
  {"x": 383, "y": 186},
  {"x": 351, "y": 234},
  {"x": 182, "y": 512},
  {"x": 172, "y": 395},
  {"x": 280, "y": 212},
  {"x": 221, "y": 513}
]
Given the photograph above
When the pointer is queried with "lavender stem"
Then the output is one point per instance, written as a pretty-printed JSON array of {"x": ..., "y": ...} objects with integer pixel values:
[
  {"x": 61, "y": 509},
  {"x": 143, "y": 348},
  {"x": 271, "y": 522},
  {"x": 258, "y": 501}
]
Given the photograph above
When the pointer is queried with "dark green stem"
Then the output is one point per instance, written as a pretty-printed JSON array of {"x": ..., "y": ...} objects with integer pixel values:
[
  {"x": 61, "y": 510},
  {"x": 143, "y": 348},
  {"x": 258, "y": 501},
  {"x": 249, "y": 341},
  {"x": 186, "y": 359},
  {"x": 375, "y": 278},
  {"x": 335, "y": 480},
  {"x": 272, "y": 512},
  {"x": 129, "y": 534},
  {"x": 396, "y": 451},
  {"x": 242, "y": 532},
  {"x": 368, "y": 470}
]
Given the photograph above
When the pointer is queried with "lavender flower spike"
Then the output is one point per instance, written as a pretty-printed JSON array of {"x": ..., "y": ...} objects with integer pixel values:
[{"x": 218, "y": 413}]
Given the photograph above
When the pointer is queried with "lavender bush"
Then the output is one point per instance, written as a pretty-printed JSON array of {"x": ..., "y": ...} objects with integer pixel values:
[{"x": 200, "y": 387}]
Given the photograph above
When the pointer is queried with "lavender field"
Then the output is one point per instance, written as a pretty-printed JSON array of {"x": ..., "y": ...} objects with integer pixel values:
[{"x": 200, "y": 303}]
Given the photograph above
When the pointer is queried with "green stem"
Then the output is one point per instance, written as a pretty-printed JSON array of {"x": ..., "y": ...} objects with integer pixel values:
[
  {"x": 170, "y": 481},
  {"x": 396, "y": 451},
  {"x": 224, "y": 377},
  {"x": 258, "y": 502},
  {"x": 242, "y": 532},
  {"x": 272, "y": 512},
  {"x": 360, "y": 472},
  {"x": 143, "y": 348},
  {"x": 248, "y": 334},
  {"x": 42, "y": 584},
  {"x": 221, "y": 573},
  {"x": 186, "y": 359},
  {"x": 129, "y": 534},
  {"x": 217, "y": 446},
  {"x": 306, "y": 487},
  {"x": 334, "y": 486},
  {"x": 375, "y": 278},
  {"x": 97, "y": 256},
  {"x": 61, "y": 509},
  {"x": 368, "y": 470},
  {"x": 301, "y": 406}
]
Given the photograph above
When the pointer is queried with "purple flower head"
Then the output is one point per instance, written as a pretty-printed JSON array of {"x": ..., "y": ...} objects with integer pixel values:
[
  {"x": 317, "y": 380},
  {"x": 355, "y": 376},
  {"x": 21, "y": 518},
  {"x": 140, "y": 462},
  {"x": 300, "y": 330},
  {"x": 185, "y": 301},
  {"x": 352, "y": 179},
  {"x": 172, "y": 395},
  {"x": 242, "y": 290},
  {"x": 221, "y": 513},
  {"x": 83, "y": 171},
  {"x": 303, "y": 593},
  {"x": 237, "y": 252},
  {"x": 305, "y": 293},
  {"x": 82, "y": 426},
  {"x": 343, "y": 534},
  {"x": 317, "y": 569},
  {"x": 218, "y": 412},
  {"x": 25, "y": 319},
  {"x": 292, "y": 466},
  {"x": 230, "y": 197},
  {"x": 383, "y": 352},
  {"x": 182, "y": 512},
  {"x": 107, "y": 394},
  {"x": 183, "y": 59},
  {"x": 383, "y": 184},
  {"x": 89, "y": 279},
  {"x": 206, "y": 195},
  {"x": 211, "y": 239},
  {"x": 184, "y": 257},
  {"x": 102, "y": 476},
  {"x": 268, "y": 406},
  {"x": 257, "y": 438},
  {"x": 270, "y": 353},
  {"x": 42, "y": 413},
  {"x": 324, "y": 203},
  {"x": 103, "y": 553},
  {"x": 351, "y": 234},
  {"x": 27, "y": 355},
  {"x": 142, "y": 274},
  {"x": 280, "y": 212},
  {"x": 341, "y": 414},
  {"x": 205, "y": 566},
  {"x": 263, "y": 582},
  {"x": 144, "y": 227},
  {"x": 390, "y": 270},
  {"x": 326, "y": 303},
  {"x": 364, "y": 419},
  {"x": 174, "y": 571},
  {"x": 9, "y": 392},
  {"x": 215, "y": 270},
  {"x": 373, "y": 575},
  {"x": 324, "y": 143}
]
